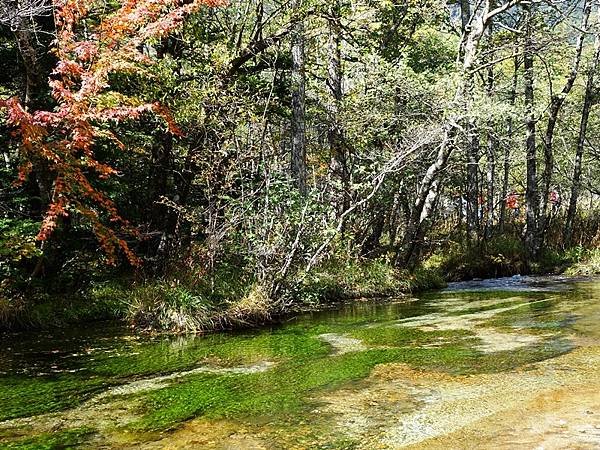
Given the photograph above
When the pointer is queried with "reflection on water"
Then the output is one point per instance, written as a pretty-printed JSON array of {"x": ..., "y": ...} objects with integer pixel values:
[{"x": 76, "y": 349}]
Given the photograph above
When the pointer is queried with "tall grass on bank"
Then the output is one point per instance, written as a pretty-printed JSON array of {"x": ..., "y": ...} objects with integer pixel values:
[
  {"x": 187, "y": 300},
  {"x": 178, "y": 306}
]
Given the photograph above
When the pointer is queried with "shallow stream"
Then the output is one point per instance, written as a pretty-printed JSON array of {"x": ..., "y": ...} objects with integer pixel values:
[{"x": 509, "y": 363}]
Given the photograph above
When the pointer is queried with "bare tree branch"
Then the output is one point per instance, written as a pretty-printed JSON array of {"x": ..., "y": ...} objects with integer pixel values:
[{"x": 14, "y": 13}]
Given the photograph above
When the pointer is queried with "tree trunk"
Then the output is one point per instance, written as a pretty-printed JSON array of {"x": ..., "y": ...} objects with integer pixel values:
[
  {"x": 419, "y": 213},
  {"x": 35, "y": 85},
  {"x": 492, "y": 146},
  {"x": 298, "y": 158},
  {"x": 585, "y": 115},
  {"x": 36, "y": 98},
  {"x": 371, "y": 243},
  {"x": 473, "y": 147},
  {"x": 509, "y": 128},
  {"x": 531, "y": 195},
  {"x": 473, "y": 139},
  {"x": 556, "y": 105},
  {"x": 339, "y": 160},
  {"x": 430, "y": 183},
  {"x": 465, "y": 19},
  {"x": 36, "y": 88}
]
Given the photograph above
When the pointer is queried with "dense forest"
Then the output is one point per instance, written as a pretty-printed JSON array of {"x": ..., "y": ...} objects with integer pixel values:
[{"x": 202, "y": 164}]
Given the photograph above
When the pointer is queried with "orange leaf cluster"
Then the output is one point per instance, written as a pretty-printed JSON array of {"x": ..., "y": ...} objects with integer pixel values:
[{"x": 65, "y": 137}]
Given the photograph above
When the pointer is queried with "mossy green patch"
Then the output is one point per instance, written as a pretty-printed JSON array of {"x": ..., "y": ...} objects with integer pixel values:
[
  {"x": 284, "y": 390},
  {"x": 26, "y": 396},
  {"x": 56, "y": 373},
  {"x": 481, "y": 309},
  {"x": 173, "y": 354},
  {"x": 289, "y": 390},
  {"x": 513, "y": 359},
  {"x": 534, "y": 317},
  {"x": 137, "y": 358},
  {"x": 52, "y": 441},
  {"x": 397, "y": 336}
]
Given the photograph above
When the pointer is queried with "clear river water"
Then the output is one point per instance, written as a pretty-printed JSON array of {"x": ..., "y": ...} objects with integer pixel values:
[{"x": 507, "y": 363}]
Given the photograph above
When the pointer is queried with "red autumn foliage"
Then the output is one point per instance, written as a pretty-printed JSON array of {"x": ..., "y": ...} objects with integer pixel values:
[{"x": 64, "y": 138}]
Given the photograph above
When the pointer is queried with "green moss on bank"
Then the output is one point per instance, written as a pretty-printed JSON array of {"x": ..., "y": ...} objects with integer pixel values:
[{"x": 27, "y": 396}]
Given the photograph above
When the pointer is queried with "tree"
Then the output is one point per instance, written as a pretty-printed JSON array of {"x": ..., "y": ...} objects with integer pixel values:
[
  {"x": 589, "y": 98},
  {"x": 430, "y": 184},
  {"x": 63, "y": 138},
  {"x": 337, "y": 147},
  {"x": 556, "y": 103},
  {"x": 531, "y": 195},
  {"x": 298, "y": 157}
]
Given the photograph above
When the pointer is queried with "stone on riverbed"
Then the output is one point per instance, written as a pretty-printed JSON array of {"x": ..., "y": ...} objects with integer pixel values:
[{"x": 342, "y": 344}]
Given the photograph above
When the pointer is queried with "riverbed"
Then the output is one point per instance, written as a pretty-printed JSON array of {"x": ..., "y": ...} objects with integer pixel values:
[{"x": 508, "y": 363}]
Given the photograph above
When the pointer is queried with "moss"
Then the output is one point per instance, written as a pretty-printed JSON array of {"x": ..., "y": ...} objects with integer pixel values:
[
  {"x": 305, "y": 366},
  {"x": 492, "y": 295},
  {"x": 52, "y": 441},
  {"x": 480, "y": 309},
  {"x": 45, "y": 395},
  {"x": 121, "y": 357},
  {"x": 280, "y": 392},
  {"x": 142, "y": 357},
  {"x": 404, "y": 336},
  {"x": 537, "y": 317},
  {"x": 513, "y": 359},
  {"x": 340, "y": 444},
  {"x": 289, "y": 389},
  {"x": 174, "y": 354}
]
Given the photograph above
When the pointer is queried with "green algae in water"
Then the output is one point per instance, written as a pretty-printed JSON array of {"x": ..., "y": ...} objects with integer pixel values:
[
  {"x": 398, "y": 336},
  {"x": 52, "y": 441},
  {"x": 26, "y": 396},
  {"x": 183, "y": 353},
  {"x": 534, "y": 317},
  {"x": 485, "y": 308},
  {"x": 305, "y": 365},
  {"x": 134, "y": 359},
  {"x": 288, "y": 390},
  {"x": 282, "y": 391}
]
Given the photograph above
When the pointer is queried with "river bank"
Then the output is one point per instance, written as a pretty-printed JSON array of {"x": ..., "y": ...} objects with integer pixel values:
[{"x": 180, "y": 303}]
